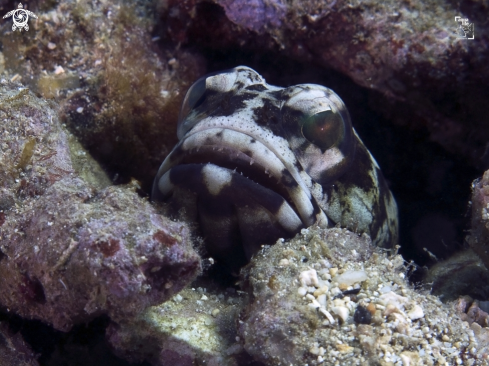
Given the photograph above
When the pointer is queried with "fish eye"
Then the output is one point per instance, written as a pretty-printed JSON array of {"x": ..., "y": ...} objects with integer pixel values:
[
  {"x": 319, "y": 131},
  {"x": 324, "y": 129},
  {"x": 195, "y": 96}
]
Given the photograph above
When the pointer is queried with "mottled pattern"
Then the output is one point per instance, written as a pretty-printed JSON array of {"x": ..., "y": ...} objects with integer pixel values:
[
  {"x": 256, "y": 162},
  {"x": 255, "y": 14}
]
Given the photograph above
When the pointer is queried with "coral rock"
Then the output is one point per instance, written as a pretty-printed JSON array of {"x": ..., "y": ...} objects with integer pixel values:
[
  {"x": 71, "y": 250},
  {"x": 185, "y": 331},
  {"x": 383, "y": 315}
]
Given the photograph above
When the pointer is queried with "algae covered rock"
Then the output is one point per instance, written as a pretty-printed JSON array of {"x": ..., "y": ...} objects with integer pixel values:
[
  {"x": 70, "y": 248},
  {"x": 118, "y": 88},
  {"x": 198, "y": 326},
  {"x": 327, "y": 297}
]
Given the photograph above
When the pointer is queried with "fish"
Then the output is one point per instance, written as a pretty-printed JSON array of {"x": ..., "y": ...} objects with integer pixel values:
[{"x": 257, "y": 162}]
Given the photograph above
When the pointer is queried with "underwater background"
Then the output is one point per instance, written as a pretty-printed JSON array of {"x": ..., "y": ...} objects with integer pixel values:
[{"x": 89, "y": 102}]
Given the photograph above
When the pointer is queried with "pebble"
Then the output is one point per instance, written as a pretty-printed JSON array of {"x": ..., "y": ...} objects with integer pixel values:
[
  {"x": 309, "y": 278},
  {"x": 348, "y": 278},
  {"x": 58, "y": 70},
  {"x": 362, "y": 315},
  {"x": 283, "y": 262},
  {"x": 215, "y": 312},
  {"x": 177, "y": 298},
  {"x": 341, "y": 311},
  {"x": 416, "y": 313}
]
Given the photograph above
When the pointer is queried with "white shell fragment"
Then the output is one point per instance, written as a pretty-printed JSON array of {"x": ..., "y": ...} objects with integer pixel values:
[
  {"x": 341, "y": 311},
  {"x": 309, "y": 278},
  {"x": 327, "y": 314},
  {"x": 394, "y": 299},
  {"x": 416, "y": 312},
  {"x": 350, "y": 277}
]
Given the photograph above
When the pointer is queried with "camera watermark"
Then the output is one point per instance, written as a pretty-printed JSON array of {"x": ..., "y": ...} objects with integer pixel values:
[
  {"x": 20, "y": 17},
  {"x": 465, "y": 29}
]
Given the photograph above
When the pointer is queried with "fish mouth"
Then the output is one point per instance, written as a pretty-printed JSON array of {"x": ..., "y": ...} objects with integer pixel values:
[
  {"x": 238, "y": 190},
  {"x": 240, "y": 153}
]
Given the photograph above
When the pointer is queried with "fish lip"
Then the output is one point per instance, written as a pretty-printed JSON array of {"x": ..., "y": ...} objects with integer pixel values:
[
  {"x": 235, "y": 160},
  {"x": 240, "y": 151}
]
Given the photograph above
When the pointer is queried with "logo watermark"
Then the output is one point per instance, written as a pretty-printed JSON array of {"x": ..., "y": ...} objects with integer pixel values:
[
  {"x": 465, "y": 29},
  {"x": 20, "y": 16}
]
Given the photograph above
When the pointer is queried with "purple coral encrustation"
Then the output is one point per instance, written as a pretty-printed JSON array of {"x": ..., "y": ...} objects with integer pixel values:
[
  {"x": 255, "y": 15},
  {"x": 71, "y": 250}
]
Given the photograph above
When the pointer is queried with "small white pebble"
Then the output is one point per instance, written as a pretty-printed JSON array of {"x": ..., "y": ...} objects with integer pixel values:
[
  {"x": 314, "y": 304},
  {"x": 51, "y": 45},
  {"x": 215, "y": 312},
  {"x": 416, "y": 313},
  {"x": 177, "y": 298},
  {"x": 79, "y": 109},
  {"x": 309, "y": 278},
  {"x": 283, "y": 262},
  {"x": 59, "y": 70},
  {"x": 322, "y": 299},
  {"x": 350, "y": 277},
  {"x": 342, "y": 312},
  {"x": 310, "y": 297},
  {"x": 302, "y": 291}
]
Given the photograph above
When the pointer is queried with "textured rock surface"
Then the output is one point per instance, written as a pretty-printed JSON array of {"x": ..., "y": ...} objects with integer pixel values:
[
  {"x": 408, "y": 52},
  {"x": 196, "y": 327},
  {"x": 71, "y": 250},
  {"x": 119, "y": 92},
  {"x": 13, "y": 349},
  {"x": 479, "y": 238},
  {"x": 326, "y": 298},
  {"x": 462, "y": 274}
]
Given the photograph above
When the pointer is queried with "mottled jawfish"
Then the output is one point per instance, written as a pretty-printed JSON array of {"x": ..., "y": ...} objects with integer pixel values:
[{"x": 257, "y": 162}]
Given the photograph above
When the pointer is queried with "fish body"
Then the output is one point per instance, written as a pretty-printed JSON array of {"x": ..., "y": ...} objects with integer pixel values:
[{"x": 257, "y": 162}]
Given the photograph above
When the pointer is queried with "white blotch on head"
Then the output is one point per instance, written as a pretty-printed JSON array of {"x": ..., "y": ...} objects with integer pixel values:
[
  {"x": 216, "y": 178},
  {"x": 317, "y": 163},
  {"x": 310, "y": 101}
]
